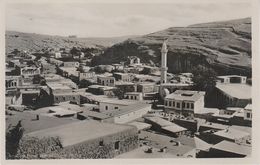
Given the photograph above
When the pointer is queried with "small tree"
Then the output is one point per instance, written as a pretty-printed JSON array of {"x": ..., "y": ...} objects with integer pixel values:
[
  {"x": 205, "y": 80},
  {"x": 119, "y": 93},
  {"x": 13, "y": 137}
]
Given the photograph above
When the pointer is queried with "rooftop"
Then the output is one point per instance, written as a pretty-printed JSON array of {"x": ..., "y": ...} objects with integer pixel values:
[
  {"x": 101, "y": 87},
  {"x": 30, "y": 123},
  {"x": 202, "y": 145},
  {"x": 57, "y": 86},
  {"x": 129, "y": 109},
  {"x": 98, "y": 115},
  {"x": 119, "y": 102},
  {"x": 78, "y": 132},
  {"x": 140, "y": 125},
  {"x": 159, "y": 121},
  {"x": 186, "y": 95},
  {"x": 249, "y": 107},
  {"x": 227, "y": 76},
  {"x": 174, "y": 128},
  {"x": 240, "y": 91},
  {"x": 233, "y": 148},
  {"x": 232, "y": 133}
]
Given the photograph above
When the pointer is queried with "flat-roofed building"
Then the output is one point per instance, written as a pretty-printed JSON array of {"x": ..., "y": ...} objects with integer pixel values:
[
  {"x": 227, "y": 149},
  {"x": 86, "y": 75},
  {"x": 115, "y": 104},
  {"x": 232, "y": 79},
  {"x": 30, "y": 71},
  {"x": 101, "y": 90},
  {"x": 184, "y": 102},
  {"x": 12, "y": 82},
  {"x": 248, "y": 112},
  {"x": 67, "y": 141},
  {"x": 233, "y": 95},
  {"x": 57, "y": 92},
  {"x": 123, "y": 77},
  {"x": 233, "y": 135},
  {"x": 165, "y": 126},
  {"x": 134, "y": 96},
  {"x": 106, "y": 80},
  {"x": 125, "y": 114},
  {"x": 149, "y": 90}
]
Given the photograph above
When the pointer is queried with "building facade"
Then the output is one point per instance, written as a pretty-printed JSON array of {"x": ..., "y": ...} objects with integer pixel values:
[{"x": 184, "y": 102}]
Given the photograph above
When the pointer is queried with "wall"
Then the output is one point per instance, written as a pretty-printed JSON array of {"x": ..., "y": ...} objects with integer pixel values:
[
  {"x": 106, "y": 81},
  {"x": 71, "y": 64},
  {"x": 50, "y": 148},
  {"x": 65, "y": 97},
  {"x": 110, "y": 106},
  {"x": 131, "y": 116}
]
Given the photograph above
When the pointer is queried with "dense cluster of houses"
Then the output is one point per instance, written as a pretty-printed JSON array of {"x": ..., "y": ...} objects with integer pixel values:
[{"x": 115, "y": 103}]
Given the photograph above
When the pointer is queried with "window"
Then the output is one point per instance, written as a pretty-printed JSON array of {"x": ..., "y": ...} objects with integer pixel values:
[
  {"x": 131, "y": 97},
  {"x": 188, "y": 105},
  {"x": 135, "y": 97},
  {"x": 192, "y": 106},
  {"x": 117, "y": 145},
  {"x": 116, "y": 107},
  {"x": 248, "y": 115},
  {"x": 64, "y": 98},
  {"x": 166, "y": 103},
  {"x": 74, "y": 98},
  {"x": 170, "y": 103},
  {"x": 173, "y": 103},
  {"x": 106, "y": 107},
  {"x": 178, "y": 105},
  {"x": 101, "y": 143}
]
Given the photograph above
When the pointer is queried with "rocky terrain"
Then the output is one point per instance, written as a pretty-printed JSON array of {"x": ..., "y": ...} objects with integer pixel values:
[{"x": 223, "y": 46}]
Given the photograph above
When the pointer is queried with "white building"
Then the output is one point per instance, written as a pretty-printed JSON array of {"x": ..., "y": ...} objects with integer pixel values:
[
  {"x": 86, "y": 75},
  {"x": 134, "y": 96},
  {"x": 232, "y": 79},
  {"x": 184, "y": 102},
  {"x": 114, "y": 104},
  {"x": 106, "y": 80},
  {"x": 248, "y": 112},
  {"x": 30, "y": 71}
]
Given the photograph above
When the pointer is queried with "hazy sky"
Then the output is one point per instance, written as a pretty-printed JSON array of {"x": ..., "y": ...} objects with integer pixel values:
[{"x": 106, "y": 20}]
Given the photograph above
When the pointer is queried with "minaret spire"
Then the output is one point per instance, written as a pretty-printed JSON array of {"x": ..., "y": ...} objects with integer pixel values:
[{"x": 164, "y": 68}]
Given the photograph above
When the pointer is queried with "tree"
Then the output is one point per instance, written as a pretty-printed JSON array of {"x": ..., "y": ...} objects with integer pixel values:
[
  {"x": 75, "y": 51},
  {"x": 13, "y": 137},
  {"x": 204, "y": 79},
  {"x": 119, "y": 93},
  {"x": 85, "y": 83}
]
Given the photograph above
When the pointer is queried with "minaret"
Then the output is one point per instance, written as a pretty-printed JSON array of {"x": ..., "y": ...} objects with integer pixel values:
[{"x": 164, "y": 68}]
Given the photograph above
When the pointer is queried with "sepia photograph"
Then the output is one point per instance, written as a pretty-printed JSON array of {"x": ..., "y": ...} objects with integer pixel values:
[{"x": 86, "y": 80}]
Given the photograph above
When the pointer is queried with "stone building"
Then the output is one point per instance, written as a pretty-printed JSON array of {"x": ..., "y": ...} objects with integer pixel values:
[{"x": 78, "y": 141}]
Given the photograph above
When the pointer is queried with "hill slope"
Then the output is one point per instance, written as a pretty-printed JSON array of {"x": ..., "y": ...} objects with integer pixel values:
[
  {"x": 35, "y": 42},
  {"x": 224, "y": 46}
]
